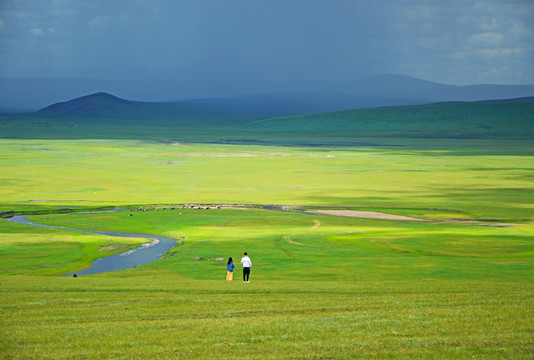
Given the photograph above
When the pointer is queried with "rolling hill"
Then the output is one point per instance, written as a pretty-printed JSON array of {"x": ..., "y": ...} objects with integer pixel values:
[
  {"x": 511, "y": 119},
  {"x": 102, "y": 115}
]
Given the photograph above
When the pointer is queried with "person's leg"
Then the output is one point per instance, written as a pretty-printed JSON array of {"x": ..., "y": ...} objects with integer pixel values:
[
  {"x": 231, "y": 275},
  {"x": 228, "y": 276},
  {"x": 246, "y": 272}
]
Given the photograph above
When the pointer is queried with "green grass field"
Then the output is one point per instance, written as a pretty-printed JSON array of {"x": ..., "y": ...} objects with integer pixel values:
[
  {"x": 160, "y": 314},
  {"x": 457, "y": 285},
  {"x": 474, "y": 179},
  {"x": 313, "y": 247}
]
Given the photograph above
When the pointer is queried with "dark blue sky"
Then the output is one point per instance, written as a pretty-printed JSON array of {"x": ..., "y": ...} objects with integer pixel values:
[{"x": 269, "y": 42}]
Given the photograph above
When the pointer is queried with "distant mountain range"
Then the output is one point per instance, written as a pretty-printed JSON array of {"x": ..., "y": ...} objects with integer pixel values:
[
  {"x": 20, "y": 95},
  {"x": 410, "y": 88}
]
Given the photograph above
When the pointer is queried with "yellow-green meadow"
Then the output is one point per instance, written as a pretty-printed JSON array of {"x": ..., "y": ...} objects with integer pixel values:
[
  {"x": 432, "y": 179},
  {"x": 455, "y": 281}
]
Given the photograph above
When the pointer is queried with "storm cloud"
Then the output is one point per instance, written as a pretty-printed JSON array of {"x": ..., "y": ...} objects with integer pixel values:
[{"x": 268, "y": 45}]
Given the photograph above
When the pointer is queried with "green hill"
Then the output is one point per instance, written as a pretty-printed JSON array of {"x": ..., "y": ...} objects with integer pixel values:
[
  {"x": 484, "y": 120},
  {"x": 103, "y": 115}
]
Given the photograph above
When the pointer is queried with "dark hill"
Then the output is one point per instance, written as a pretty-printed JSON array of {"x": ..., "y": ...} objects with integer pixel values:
[
  {"x": 103, "y": 106},
  {"x": 86, "y": 105},
  {"x": 106, "y": 106}
]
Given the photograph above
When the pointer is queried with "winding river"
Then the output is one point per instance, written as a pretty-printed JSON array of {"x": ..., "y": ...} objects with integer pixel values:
[{"x": 143, "y": 254}]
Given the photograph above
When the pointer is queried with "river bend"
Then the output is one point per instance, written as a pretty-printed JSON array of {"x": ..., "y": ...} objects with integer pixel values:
[{"x": 143, "y": 254}]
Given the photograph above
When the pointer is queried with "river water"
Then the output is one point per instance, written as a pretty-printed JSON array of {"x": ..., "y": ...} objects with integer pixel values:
[{"x": 143, "y": 254}]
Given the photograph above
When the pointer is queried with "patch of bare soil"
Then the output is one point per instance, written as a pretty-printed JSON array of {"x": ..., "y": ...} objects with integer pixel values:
[
  {"x": 366, "y": 214},
  {"x": 111, "y": 247}
]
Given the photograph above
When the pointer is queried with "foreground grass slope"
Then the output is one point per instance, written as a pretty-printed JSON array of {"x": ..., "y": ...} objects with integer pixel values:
[
  {"x": 159, "y": 314},
  {"x": 345, "y": 288}
]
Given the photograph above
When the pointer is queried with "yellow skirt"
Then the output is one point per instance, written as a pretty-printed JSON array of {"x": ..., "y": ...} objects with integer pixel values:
[{"x": 229, "y": 276}]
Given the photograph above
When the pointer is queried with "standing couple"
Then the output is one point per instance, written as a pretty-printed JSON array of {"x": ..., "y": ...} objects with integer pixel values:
[{"x": 247, "y": 264}]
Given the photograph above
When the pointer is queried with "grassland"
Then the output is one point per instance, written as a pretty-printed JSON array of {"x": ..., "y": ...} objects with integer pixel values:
[
  {"x": 160, "y": 314},
  {"x": 313, "y": 246},
  {"x": 465, "y": 179},
  {"x": 458, "y": 285}
]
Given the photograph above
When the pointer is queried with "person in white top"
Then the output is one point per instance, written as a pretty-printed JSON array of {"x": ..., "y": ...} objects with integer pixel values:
[{"x": 247, "y": 264}]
